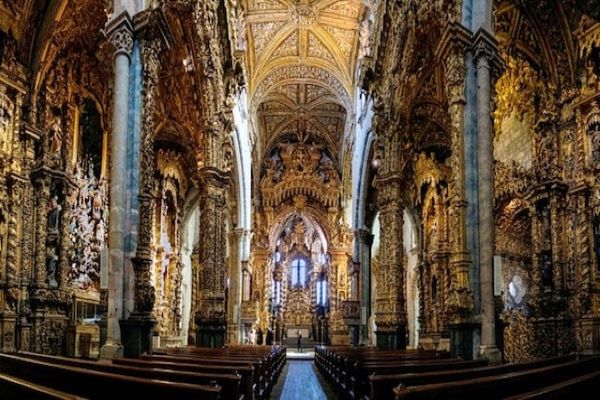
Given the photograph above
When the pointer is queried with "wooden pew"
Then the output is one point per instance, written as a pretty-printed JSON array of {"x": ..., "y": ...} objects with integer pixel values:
[
  {"x": 272, "y": 357},
  {"x": 262, "y": 378},
  {"x": 246, "y": 372},
  {"x": 12, "y": 388},
  {"x": 349, "y": 368},
  {"x": 500, "y": 386},
  {"x": 574, "y": 388},
  {"x": 382, "y": 386},
  {"x": 230, "y": 382},
  {"x": 101, "y": 385}
]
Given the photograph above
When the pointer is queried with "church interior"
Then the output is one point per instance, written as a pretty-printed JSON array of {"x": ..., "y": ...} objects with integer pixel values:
[{"x": 298, "y": 199}]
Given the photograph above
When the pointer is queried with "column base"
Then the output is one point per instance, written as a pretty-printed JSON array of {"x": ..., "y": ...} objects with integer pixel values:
[
  {"x": 212, "y": 336},
  {"x": 136, "y": 333},
  {"x": 464, "y": 340},
  {"x": 392, "y": 339},
  {"x": 491, "y": 353},
  {"x": 111, "y": 350},
  {"x": 589, "y": 332},
  {"x": 8, "y": 325}
]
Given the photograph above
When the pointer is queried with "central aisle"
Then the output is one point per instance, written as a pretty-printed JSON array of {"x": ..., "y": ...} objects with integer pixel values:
[{"x": 301, "y": 381}]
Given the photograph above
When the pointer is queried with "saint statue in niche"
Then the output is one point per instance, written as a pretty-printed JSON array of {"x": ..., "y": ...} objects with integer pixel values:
[
  {"x": 55, "y": 137},
  {"x": 547, "y": 270},
  {"x": 51, "y": 265},
  {"x": 4, "y": 123},
  {"x": 54, "y": 215}
]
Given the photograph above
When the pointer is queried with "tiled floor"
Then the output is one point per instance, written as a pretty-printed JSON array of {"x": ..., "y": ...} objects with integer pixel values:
[{"x": 300, "y": 380}]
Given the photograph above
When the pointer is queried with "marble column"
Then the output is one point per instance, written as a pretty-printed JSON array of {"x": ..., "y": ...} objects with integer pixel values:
[
  {"x": 365, "y": 240},
  {"x": 485, "y": 48},
  {"x": 390, "y": 305},
  {"x": 120, "y": 32}
]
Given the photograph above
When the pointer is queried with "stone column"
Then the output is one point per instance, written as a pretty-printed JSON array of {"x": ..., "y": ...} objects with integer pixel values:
[
  {"x": 365, "y": 240},
  {"x": 234, "y": 293},
  {"x": 459, "y": 302},
  {"x": 485, "y": 48},
  {"x": 210, "y": 318},
  {"x": 120, "y": 32},
  {"x": 390, "y": 310},
  {"x": 137, "y": 328}
]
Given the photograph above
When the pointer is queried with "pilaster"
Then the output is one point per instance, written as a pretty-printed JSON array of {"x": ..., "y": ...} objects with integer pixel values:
[
  {"x": 211, "y": 315},
  {"x": 390, "y": 311}
]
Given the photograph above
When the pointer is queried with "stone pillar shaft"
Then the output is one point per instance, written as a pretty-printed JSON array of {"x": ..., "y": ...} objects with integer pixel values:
[
  {"x": 484, "y": 51},
  {"x": 365, "y": 240},
  {"x": 120, "y": 33},
  {"x": 236, "y": 240}
]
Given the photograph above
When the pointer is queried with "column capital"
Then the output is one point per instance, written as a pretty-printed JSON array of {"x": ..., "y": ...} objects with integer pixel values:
[
  {"x": 485, "y": 51},
  {"x": 213, "y": 177},
  {"x": 364, "y": 235},
  {"x": 389, "y": 190},
  {"x": 119, "y": 30}
]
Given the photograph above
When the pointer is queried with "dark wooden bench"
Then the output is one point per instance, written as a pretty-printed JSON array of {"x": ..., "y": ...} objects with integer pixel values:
[
  {"x": 349, "y": 368},
  {"x": 101, "y": 385},
  {"x": 382, "y": 385},
  {"x": 574, "y": 388},
  {"x": 502, "y": 385},
  {"x": 272, "y": 358},
  {"x": 267, "y": 365},
  {"x": 246, "y": 372},
  {"x": 230, "y": 381},
  {"x": 12, "y": 388}
]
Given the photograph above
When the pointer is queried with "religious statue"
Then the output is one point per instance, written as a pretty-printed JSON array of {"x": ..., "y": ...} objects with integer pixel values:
[
  {"x": 54, "y": 215},
  {"x": 55, "y": 138},
  {"x": 4, "y": 125},
  {"x": 51, "y": 266},
  {"x": 592, "y": 79},
  {"x": 547, "y": 271},
  {"x": 328, "y": 171},
  {"x": 3, "y": 230}
]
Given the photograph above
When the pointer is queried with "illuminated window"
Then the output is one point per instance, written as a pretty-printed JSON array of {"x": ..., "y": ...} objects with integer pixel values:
[
  {"x": 298, "y": 273},
  {"x": 321, "y": 291}
]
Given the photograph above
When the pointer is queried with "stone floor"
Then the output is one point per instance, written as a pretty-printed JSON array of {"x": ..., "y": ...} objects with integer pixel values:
[
  {"x": 305, "y": 354},
  {"x": 300, "y": 380}
]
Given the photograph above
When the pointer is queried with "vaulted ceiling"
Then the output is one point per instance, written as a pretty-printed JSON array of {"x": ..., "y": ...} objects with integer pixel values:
[{"x": 301, "y": 61}]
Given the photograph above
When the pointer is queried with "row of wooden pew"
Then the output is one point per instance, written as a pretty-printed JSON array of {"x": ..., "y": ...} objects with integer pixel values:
[
  {"x": 241, "y": 373},
  {"x": 365, "y": 373}
]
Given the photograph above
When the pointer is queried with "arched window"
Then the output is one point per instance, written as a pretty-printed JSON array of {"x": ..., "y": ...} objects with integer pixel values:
[
  {"x": 321, "y": 291},
  {"x": 299, "y": 273}
]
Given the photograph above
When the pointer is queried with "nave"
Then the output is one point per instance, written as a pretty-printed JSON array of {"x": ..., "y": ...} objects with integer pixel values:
[{"x": 188, "y": 187}]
